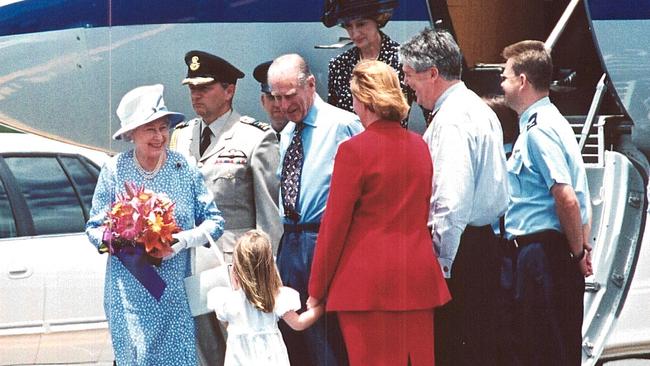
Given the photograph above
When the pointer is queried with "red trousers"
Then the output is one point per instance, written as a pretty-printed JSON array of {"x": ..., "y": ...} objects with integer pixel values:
[{"x": 391, "y": 338}]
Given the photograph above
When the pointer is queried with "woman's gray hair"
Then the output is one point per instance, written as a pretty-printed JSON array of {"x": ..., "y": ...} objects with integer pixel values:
[
  {"x": 433, "y": 48},
  {"x": 128, "y": 136}
]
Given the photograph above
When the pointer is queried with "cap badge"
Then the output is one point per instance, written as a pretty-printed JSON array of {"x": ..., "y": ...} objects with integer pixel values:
[{"x": 195, "y": 63}]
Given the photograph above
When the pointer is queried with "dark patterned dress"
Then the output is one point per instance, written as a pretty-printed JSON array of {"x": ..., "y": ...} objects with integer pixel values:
[{"x": 340, "y": 72}]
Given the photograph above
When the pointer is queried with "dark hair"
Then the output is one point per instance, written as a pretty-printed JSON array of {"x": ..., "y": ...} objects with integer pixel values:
[
  {"x": 532, "y": 59},
  {"x": 381, "y": 19},
  {"x": 341, "y": 11},
  {"x": 507, "y": 116}
]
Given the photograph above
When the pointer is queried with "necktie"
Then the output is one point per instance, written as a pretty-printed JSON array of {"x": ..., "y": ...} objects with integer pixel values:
[
  {"x": 291, "y": 169},
  {"x": 205, "y": 140},
  {"x": 432, "y": 114}
]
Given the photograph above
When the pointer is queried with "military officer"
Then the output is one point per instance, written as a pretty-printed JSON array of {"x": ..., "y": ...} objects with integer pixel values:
[
  {"x": 238, "y": 157},
  {"x": 272, "y": 107},
  {"x": 548, "y": 216}
]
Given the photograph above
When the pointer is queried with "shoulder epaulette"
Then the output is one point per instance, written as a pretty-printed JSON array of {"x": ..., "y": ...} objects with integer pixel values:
[
  {"x": 532, "y": 122},
  {"x": 182, "y": 125},
  {"x": 253, "y": 122}
]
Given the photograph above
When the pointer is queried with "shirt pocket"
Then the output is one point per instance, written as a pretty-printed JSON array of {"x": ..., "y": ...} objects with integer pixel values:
[
  {"x": 515, "y": 166},
  {"x": 229, "y": 184}
]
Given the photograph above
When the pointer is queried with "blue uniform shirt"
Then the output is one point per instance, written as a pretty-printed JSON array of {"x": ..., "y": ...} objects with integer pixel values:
[
  {"x": 545, "y": 153},
  {"x": 325, "y": 128}
]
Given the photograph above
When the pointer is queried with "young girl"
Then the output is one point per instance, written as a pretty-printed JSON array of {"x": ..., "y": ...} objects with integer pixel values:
[{"x": 254, "y": 305}]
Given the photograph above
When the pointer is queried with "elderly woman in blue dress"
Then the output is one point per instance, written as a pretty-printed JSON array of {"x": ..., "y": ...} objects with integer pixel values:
[{"x": 148, "y": 329}]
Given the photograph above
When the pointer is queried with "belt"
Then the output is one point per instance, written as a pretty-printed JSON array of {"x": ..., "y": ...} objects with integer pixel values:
[
  {"x": 300, "y": 228},
  {"x": 545, "y": 236}
]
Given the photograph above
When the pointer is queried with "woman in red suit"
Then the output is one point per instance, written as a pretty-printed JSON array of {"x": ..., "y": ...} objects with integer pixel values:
[{"x": 374, "y": 262}]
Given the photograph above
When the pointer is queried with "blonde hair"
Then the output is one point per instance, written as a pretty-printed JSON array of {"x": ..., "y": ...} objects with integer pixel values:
[
  {"x": 254, "y": 268},
  {"x": 376, "y": 85}
]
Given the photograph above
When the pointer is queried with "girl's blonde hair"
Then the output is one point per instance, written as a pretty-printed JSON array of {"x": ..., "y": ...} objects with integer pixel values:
[
  {"x": 254, "y": 268},
  {"x": 376, "y": 85}
]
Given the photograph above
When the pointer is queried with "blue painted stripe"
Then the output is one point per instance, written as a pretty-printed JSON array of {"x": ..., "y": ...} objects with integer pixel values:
[
  {"x": 46, "y": 15},
  {"x": 618, "y": 9}
]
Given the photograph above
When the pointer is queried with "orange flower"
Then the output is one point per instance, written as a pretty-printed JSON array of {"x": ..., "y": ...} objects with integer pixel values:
[{"x": 140, "y": 216}]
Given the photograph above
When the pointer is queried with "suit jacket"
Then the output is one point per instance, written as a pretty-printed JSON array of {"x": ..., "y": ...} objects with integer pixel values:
[
  {"x": 240, "y": 171},
  {"x": 374, "y": 250}
]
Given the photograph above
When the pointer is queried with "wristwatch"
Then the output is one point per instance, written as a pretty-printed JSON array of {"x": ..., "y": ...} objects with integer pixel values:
[{"x": 576, "y": 258}]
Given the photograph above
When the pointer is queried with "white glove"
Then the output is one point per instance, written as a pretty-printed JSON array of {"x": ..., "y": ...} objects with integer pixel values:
[
  {"x": 180, "y": 245},
  {"x": 190, "y": 238},
  {"x": 177, "y": 247}
]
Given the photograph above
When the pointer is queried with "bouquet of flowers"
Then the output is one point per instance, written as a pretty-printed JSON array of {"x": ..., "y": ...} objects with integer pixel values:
[{"x": 140, "y": 217}]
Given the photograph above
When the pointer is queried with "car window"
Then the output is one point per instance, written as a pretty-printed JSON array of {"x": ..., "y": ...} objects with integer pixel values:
[
  {"x": 49, "y": 194},
  {"x": 7, "y": 224},
  {"x": 84, "y": 177}
]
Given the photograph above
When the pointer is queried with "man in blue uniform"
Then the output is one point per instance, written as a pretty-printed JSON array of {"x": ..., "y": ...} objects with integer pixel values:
[{"x": 548, "y": 215}]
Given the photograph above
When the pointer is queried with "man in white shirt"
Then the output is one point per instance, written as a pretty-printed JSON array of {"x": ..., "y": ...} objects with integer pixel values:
[{"x": 469, "y": 194}]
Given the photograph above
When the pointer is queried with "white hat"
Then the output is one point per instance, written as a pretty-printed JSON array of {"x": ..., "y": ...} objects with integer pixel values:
[{"x": 141, "y": 106}]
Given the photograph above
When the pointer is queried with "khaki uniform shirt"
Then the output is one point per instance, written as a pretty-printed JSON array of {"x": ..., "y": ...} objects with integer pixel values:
[{"x": 239, "y": 168}]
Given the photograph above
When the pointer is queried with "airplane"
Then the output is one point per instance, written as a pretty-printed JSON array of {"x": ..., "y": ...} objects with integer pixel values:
[
  {"x": 66, "y": 64},
  {"x": 75, "y": 59}
]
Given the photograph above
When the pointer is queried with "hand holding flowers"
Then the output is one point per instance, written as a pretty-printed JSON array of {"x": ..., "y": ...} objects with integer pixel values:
[
  {"x": 140, "y": 217},
  {"x": 138, "y": 231}
]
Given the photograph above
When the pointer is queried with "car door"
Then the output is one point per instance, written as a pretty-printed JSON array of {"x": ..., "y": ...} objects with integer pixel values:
[
  {"x": 56, "y": 190},
  {"x": 21, "y": 285}
]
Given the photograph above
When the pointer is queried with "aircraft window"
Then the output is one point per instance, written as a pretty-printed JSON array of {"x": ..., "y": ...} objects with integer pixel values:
[
  {"x": 85, "y": 179},
  {"x": 7, "y": 224},
  {"x": 49, "y": 195}
]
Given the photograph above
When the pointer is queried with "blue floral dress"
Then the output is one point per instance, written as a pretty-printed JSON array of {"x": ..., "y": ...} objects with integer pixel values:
[{"x": 145, "y": 331}]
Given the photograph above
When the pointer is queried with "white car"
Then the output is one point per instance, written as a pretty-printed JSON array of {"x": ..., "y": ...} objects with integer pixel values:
[{"x": 52, "y": 278}]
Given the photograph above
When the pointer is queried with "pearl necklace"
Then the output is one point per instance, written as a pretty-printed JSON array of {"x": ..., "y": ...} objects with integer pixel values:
[{"x": 146, "y": 173}]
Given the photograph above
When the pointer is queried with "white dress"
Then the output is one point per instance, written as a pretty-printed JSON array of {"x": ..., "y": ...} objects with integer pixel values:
[{"x": 253, "y": 336}]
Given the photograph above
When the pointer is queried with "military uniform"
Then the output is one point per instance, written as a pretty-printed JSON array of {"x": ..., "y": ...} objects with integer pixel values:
[
  {"x": 239, "y": 169},
  {"x": 239, "y": 161},
  {"x": 549, "y": 286}
]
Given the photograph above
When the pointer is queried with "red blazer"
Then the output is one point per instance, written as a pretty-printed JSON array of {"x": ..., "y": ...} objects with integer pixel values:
[{"x": 374, "y": 250}]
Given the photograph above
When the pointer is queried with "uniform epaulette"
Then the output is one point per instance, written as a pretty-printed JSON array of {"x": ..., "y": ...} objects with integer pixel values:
[
  {"x": 253, "y": 122},
  {"x": 532, "y": 122},
  {"x": 182, "y": 125}
]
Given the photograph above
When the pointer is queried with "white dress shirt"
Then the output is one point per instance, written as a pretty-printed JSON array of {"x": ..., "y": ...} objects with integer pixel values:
[{"x": 469, "y": 169}]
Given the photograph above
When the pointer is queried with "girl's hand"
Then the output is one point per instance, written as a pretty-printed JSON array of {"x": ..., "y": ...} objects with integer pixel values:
[
  {"x": 312, "y": 302},
  {"x": 318, "y": 310}
]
